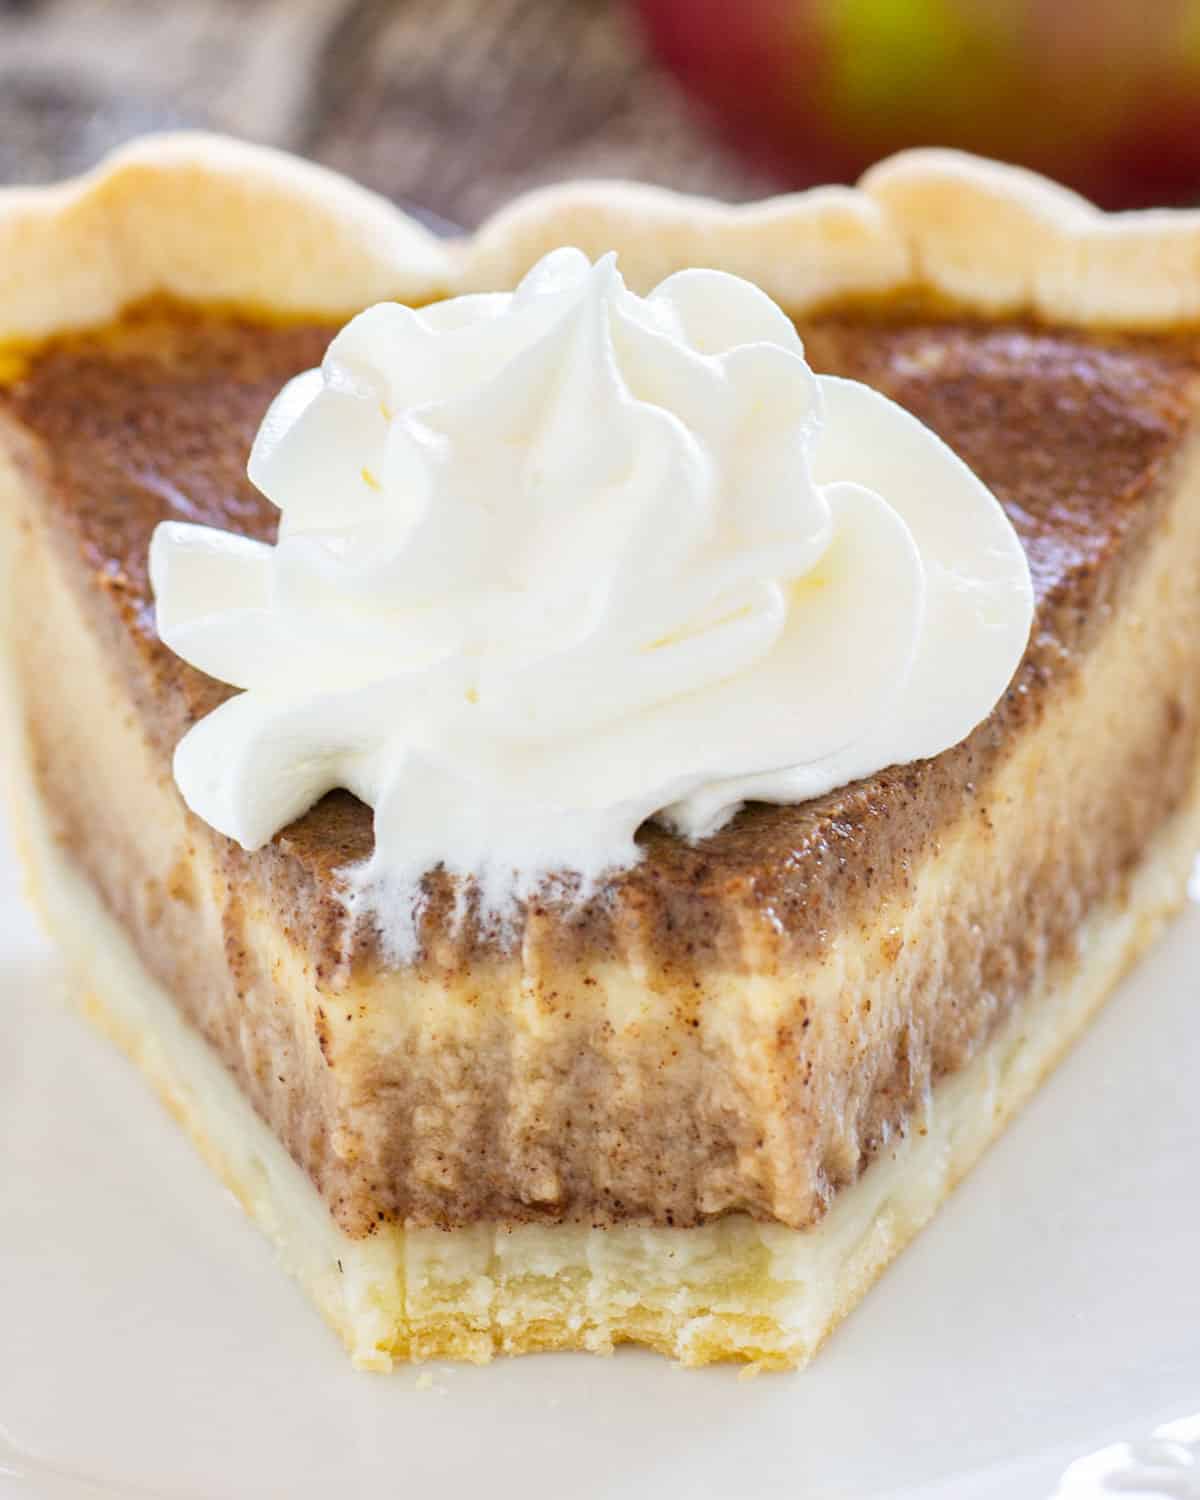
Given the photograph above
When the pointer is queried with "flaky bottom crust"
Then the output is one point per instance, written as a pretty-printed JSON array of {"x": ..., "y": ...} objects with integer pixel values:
[{"x": 733, "y": 1290}]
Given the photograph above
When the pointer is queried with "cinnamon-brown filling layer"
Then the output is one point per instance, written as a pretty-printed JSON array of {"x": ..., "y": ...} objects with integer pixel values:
[
  {"x": 153, "y": 419},
  {"x": 808, "y": 972}
]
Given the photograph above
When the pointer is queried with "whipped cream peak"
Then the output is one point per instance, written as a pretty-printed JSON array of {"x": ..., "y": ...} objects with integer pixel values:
[{"x": 555, "y": 561}]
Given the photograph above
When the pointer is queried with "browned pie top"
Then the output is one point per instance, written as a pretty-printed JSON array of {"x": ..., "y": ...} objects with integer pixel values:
[{"x": 153, "y": 419}]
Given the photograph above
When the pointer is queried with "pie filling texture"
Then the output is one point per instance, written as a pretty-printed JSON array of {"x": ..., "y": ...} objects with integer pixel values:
[{"x": 727, "y": 1036}]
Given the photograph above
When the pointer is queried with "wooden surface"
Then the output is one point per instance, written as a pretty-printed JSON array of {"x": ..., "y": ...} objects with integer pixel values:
[{"x": 452, "y": 104}]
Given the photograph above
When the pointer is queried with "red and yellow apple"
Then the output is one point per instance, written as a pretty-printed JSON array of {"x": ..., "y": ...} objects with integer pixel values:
[{"x": 1102, "y": 94}]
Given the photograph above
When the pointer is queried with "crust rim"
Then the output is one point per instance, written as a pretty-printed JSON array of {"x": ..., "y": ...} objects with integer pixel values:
[{"x": 208, "y": 218}]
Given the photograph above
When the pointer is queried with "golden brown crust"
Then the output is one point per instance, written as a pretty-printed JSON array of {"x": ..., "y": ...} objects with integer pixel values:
[
  {"x": 211, "y": 219},
  {"x": 206, "y": 219}
]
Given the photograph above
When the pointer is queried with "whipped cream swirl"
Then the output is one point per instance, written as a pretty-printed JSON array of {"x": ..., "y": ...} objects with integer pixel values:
[{"x": 554, "y": 562}]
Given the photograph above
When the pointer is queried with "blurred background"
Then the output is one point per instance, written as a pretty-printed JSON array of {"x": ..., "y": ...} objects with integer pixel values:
[{"x": 457, "y": 104}]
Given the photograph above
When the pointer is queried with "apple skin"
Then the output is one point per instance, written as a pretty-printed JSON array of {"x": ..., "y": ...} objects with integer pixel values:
[{"x": 1103, "y": 95}]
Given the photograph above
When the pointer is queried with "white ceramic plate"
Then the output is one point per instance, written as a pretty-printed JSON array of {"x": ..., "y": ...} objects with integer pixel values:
[{"x": 149, "y": 1346}]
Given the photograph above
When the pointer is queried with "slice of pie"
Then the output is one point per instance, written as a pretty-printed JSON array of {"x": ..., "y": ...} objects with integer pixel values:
[{"x": 701, "y": 1102}]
